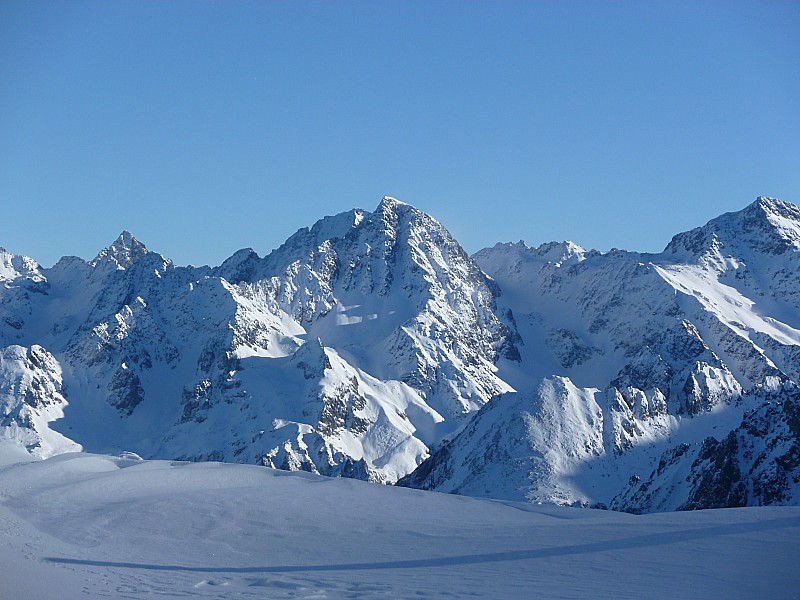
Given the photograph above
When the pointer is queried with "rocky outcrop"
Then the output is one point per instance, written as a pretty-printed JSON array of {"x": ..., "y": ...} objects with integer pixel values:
[{"x": 756, "y": 464}]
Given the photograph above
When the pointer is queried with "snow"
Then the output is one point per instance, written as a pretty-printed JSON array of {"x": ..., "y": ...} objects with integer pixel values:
[
  {"x": 727, "y": 303},
  {"x": 785, "y": 217},
  {"x": 367, "y": 343},
  {"x": 14, "y": 266},
  {"x": 121, "y": 255},
  {"x": 89, "y": 526},
  {"x": 30, "y": 399}
]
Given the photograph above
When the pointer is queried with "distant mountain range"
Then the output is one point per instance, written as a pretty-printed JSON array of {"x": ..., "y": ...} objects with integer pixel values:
[{"x": 373, "y": 346}]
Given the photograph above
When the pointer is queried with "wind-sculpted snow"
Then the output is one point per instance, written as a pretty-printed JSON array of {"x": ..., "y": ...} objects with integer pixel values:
[
  {"x": 370, "y": 345},
  {"x": 88, "y": 526}
]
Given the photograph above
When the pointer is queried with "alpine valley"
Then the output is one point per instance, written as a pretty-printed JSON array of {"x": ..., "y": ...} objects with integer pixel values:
[{"x": 372, "y": 346}]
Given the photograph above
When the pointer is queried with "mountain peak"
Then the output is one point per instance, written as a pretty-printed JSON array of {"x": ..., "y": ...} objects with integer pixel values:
[
  {"x": 507, "y": 257},
  {"x": 775, "y": 206},
  {"x": 782, "y": 217},
  {"x": 14, "y": 266},
  {"x": 123, "y": 253},
  {"x": 126, "y": 240},
  {"x": 391, "y": 203},
  {"x": 391, "y": 208},
  {"x": 767, "y": 225},
  {"x": 560, "y": 253}
]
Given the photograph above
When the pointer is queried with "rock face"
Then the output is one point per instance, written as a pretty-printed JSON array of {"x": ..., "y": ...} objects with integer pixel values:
[
  {"x": 756, "y": 464},
  {"x": 370, "y": 345}
]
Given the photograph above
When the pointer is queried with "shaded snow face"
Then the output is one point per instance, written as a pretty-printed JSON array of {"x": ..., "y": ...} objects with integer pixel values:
[{"x": 755, "y": 464}]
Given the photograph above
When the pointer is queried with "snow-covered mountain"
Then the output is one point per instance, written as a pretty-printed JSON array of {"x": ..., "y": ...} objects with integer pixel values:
[
  {"x": 371, "y": 342},
  {"x": 347, "y": 351},
  {"x": 627, "y": 359}
]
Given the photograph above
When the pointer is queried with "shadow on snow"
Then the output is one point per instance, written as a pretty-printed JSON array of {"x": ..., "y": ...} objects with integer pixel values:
[{"x": 639, "y": 541}]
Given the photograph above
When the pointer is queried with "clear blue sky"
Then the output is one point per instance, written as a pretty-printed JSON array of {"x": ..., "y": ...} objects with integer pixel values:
[{"x": 204, "y": 127}]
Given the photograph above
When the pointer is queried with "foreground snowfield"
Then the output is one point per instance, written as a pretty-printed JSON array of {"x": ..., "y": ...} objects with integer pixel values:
[{"x": 90, "y": 526}]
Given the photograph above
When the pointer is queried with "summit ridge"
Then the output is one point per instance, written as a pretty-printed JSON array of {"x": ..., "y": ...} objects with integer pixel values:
[{"x": 123, "y": 253}]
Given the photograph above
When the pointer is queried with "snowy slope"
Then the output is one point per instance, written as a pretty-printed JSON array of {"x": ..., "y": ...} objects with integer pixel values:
[
  {"x": 520, "y": 446},
  {"x": 31, "y": 397},
  {"x": 14, "y": 267},
  {"x": 88, "y": 526}
]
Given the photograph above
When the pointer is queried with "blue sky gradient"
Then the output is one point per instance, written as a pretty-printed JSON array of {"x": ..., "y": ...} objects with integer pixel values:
[{"x": 204, "y": 127}]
